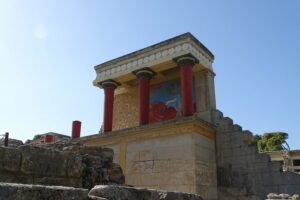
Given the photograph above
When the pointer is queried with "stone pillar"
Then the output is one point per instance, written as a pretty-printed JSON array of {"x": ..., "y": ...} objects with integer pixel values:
[
  {"x": 144, "y": 76},
  {"x": 185, "y": 64},
  {"x": 205, "y": 90},
  {"x": 76, "y": 127},
  {"x": 205, "y": 95},
  {"x": 109, "y": 87}
]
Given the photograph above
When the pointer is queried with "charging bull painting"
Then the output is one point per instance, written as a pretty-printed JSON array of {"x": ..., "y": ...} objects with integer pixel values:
[{"x": 165, "y": 101}]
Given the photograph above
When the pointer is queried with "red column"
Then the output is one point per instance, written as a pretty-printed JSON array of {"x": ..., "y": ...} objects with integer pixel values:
[
  {"x": 109, "y": 87},
  {"x": 76, "y": 127},
  {"x": 48, "y": 138},
  {"x": 144, "y": 75},
  {"x": 186, "y": 64}
]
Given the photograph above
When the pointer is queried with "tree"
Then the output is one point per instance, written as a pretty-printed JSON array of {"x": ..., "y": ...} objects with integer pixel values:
[{"x": 272, "y": 141}]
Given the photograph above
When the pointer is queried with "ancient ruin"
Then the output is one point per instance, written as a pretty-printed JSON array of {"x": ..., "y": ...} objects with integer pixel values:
[{"x": 161, "y": 132}]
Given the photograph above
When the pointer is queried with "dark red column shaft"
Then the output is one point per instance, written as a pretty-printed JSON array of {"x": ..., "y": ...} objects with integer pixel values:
[
  {"x": 144, "y": 92},
  {"x": 76, "y": 127},
  {"x": 186, "y": 78},
  {"x": 48, "y": 138},
  {"x": 108, "y": 108}
]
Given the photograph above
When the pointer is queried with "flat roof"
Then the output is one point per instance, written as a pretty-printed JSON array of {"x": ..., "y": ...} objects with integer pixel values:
[{"x": 157, "y": 45}]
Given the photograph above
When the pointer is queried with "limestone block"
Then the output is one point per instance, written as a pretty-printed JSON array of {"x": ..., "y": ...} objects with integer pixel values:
[
  {"x": 133, "y": 179},
  {"x": 173, "y": 141},
  {"x": 154, "y": 179},
  {"x": 148, "y": 154},
  {"x": 74, "y": 166},
  {"x": 146, "y": 166},
  {"x": 106, "y": 154},
  {"x": 176, "y": 165},
  {"x": 162, "y": 165},
  {"x": 10, "y": 191},
  {"x": 134, "y": 147},
  {"x": 164, "y": 153},
  {"x": 203, "y": 141},
  {"x": 13, "y": 177},
  {"x": 11, "y": 159},
  {"x": 206, "y": 176},
  {"x": 115, "y": 173},
  {"x": 42, "y": 161},
  {"x": 133, "y": 167},
  {"x": 113, "y": 192},
  {"x": 205, "y": 155},
  {"x": 207, "y": 192},
  {"x": 181, "y": 178},
  {"x": 133, "y": 156},
  {"x": 75, "y": 182}
]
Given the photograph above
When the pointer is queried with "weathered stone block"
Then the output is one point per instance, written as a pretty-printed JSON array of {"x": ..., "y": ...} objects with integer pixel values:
[
  {"x": 58, "y": 181},
  {"x": 74, "y": 166},
  {"x": 42, "y": 161},
  {"x": 116, "y": 174},
  {"x": 14, "y": 177},
  {"x": 10, "y": 159},
  {"x": 10, "y": 191},
  {"x": 113, "y": 192}
]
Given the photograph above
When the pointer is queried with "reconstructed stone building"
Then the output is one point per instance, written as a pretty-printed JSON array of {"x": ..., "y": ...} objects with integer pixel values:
[{"x": 160, "y": 119}]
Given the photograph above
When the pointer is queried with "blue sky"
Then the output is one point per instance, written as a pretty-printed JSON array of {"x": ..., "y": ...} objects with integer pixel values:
[{"x": 48, "y": 50}]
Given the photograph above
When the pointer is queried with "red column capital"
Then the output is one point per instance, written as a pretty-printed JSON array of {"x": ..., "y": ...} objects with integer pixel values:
[
  {"x": 109, "y": 87},
  {"x": 144, "y": 76},
  {"x": 186, "y": 64}
]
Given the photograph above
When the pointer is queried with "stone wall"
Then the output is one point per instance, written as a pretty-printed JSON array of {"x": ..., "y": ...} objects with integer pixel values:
[
  {"x": 99, "y": 192},
  {"x": 10, "y": 191},
  {"x": 184, "y": 163},
  {"x": 80, "y": 168},
  {"x": 243, "y": 172}
]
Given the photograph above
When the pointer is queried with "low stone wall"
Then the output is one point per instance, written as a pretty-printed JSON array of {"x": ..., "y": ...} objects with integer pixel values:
[
  {"x": 273, "y": 196},
  {"x": 10, "y": 191},
  {"x": 36, "y": 165}
]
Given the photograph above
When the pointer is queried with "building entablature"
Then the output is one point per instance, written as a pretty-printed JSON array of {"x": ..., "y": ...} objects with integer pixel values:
[{"x": 159, "y": 57}]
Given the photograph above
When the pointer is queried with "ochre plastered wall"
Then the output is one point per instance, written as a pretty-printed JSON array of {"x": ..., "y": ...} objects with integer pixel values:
[{"x": 126, "y": 110}]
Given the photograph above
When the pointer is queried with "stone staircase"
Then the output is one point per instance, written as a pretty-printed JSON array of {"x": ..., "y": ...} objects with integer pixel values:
[{"x": 243, "y": 172}]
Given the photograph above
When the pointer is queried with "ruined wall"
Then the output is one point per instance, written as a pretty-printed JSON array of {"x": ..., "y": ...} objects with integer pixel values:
[
  {"x": 36, "y": 165},
  {"x": 243, "y": 172},
  {"x": 99, "y": 192}
]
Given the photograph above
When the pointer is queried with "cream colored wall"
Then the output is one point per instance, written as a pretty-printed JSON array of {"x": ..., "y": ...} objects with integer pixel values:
[
  {"x": 206, "y": 169},
  {"x": 166, "y": 163},
  {"x": 184, "y": 163}
]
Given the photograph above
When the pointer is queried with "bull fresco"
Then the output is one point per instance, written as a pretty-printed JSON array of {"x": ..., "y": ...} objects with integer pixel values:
[{"x": 165, "y": 101}]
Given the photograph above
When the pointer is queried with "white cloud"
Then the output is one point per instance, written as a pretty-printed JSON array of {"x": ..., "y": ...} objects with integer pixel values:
[{"x": 40, "y": 31}]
